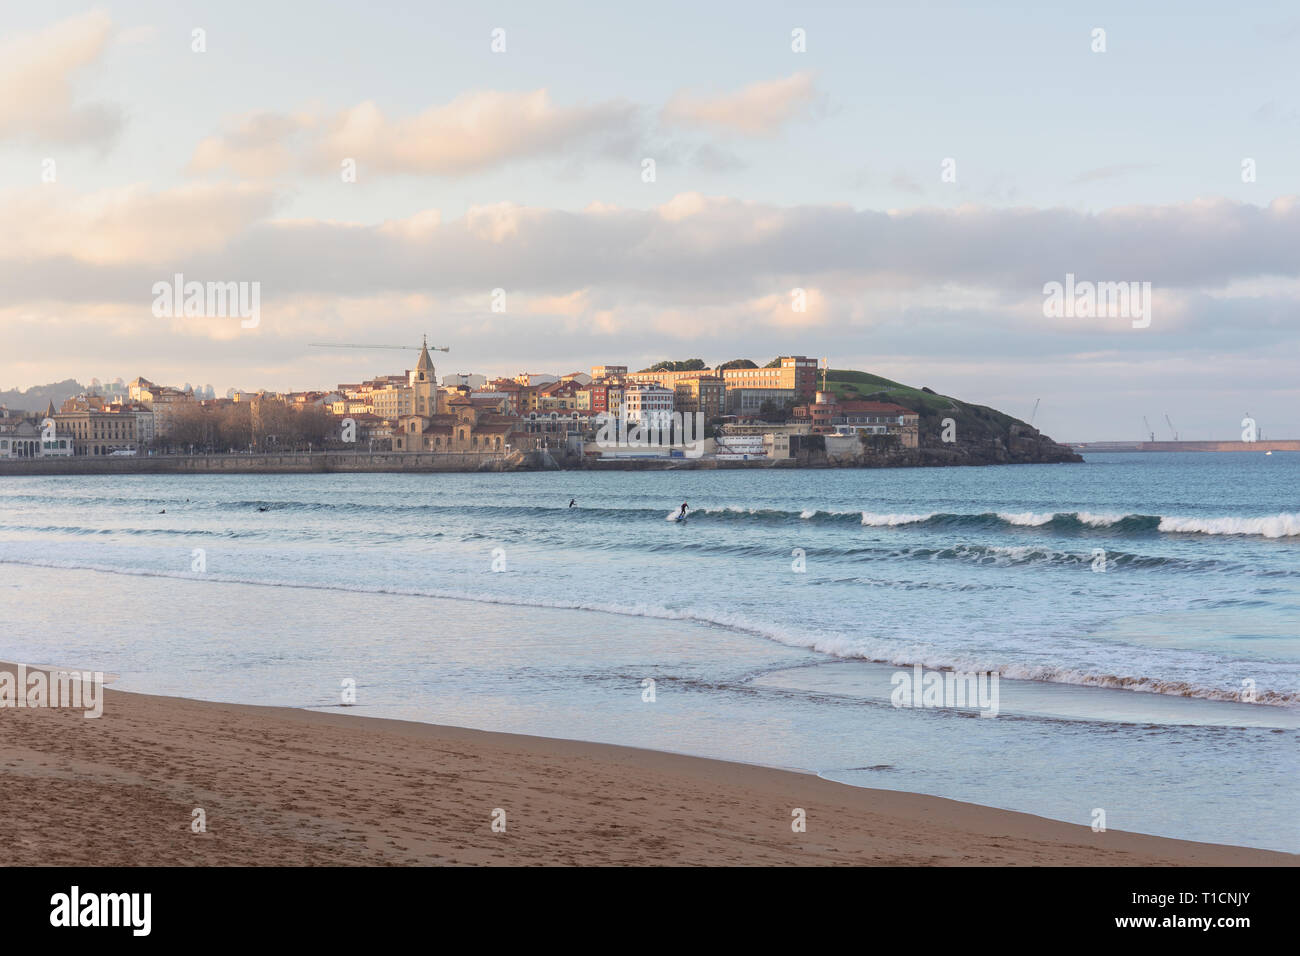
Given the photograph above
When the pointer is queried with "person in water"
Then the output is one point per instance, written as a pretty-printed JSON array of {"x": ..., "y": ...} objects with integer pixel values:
[
  {"x": 572, "y": 502},
  {"x": 682, "y": 514}
]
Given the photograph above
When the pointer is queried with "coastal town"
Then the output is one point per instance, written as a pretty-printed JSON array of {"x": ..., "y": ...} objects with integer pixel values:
[{"x": 736, "y": 410}]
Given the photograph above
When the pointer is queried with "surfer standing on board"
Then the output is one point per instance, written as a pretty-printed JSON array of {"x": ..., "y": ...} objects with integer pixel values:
[{"x": 681, "y": 515}]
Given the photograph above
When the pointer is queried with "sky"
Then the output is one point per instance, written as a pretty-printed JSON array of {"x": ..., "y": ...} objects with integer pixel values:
[{"x": 544, "y": 187}]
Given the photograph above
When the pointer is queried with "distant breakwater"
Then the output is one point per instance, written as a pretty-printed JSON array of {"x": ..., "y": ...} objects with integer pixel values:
[{"x": 1278, "y": 444}]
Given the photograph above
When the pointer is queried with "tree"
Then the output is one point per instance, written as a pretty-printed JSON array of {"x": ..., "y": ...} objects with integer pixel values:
[
  {"x": 737, "y": 363},
  {"x": 189, "y": 425},
  {"x": 235, "y": 426},
  {"x": 314, "y": 425},
  {"x": 771, "y": 411},
  {"x": 686, "y": 365},
  {"x": 775, "y": 363}
]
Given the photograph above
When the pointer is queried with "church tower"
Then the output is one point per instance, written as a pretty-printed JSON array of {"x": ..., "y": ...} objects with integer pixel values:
[{"x": 423, "y": 385}]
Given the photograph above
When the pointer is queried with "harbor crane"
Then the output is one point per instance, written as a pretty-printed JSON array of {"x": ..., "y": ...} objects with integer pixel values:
[
  {"x": 1171, "y": 426},
  {"x": 1150, "y": 430}
]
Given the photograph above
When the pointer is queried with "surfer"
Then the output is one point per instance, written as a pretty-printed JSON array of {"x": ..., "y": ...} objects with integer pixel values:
[
  {"x": 681, "y": 515},
  {"x": 573, "y": 502}
]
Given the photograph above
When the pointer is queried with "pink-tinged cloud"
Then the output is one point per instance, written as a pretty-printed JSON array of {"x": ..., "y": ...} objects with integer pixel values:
[
  {"x": 473, "y": 132},
  {"x": 39, "y": 73},
  {"x": 759, "y": 109}
]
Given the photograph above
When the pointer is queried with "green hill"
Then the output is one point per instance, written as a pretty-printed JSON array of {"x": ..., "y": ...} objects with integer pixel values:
[{"x": 975, "y": 423}]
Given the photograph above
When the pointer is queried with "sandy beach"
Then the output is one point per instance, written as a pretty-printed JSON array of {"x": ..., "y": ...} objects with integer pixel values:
[{"x": 295, "y": 787}]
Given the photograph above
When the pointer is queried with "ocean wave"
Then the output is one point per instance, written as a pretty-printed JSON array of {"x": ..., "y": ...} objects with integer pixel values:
[
  {"x": 1276, "y": 526},
  {"x": 835, "y": 645},
  {"x": 891, "y": 521},
  {"x": 1283, "y": 525}
]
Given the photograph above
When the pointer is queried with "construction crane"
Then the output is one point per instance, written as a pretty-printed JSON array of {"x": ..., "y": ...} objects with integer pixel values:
[
  {"x": 1150, "y": 431},
  {"x": 1171, "y": 426},
  {"x": 409, "y": 348},
  {"x": 1034, "y": 413}
]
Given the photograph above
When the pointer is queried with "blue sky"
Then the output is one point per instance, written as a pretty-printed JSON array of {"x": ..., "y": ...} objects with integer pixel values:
[{"x": 774, "y": 169}]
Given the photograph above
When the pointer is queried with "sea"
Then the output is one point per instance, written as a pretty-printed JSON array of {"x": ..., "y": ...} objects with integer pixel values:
[{"x": 1140, "y": 611}]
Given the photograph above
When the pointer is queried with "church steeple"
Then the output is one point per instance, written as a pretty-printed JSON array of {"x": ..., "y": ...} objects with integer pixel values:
[
  {"x": 423, "y": 371},
  {"x": 424, "y": 389}
]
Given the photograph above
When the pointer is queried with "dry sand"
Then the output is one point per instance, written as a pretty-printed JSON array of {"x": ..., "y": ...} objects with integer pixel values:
[{"x": 284, "y": 786}]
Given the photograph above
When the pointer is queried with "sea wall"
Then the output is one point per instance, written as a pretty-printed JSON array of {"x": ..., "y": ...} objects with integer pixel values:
[
  {"x": 995, "y": 452},
  {"x": 316, "y": 462}
]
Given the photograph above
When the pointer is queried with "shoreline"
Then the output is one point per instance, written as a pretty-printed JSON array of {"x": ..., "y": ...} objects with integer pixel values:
[{"x": 286, "y": 786}]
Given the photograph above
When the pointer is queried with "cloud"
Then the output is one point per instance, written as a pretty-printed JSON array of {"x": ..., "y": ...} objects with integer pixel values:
[
  {"x": 129, "y": 225},
  {"x": 474, "y": 132},
  {"x": 255, "y": 145},
  {"x": 760, "y": 109},
  {"x": 37, "y": 73},
  {"x": 1224, "y": 273}
]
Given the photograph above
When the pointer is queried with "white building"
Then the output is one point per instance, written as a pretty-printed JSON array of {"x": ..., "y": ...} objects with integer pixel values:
[
  {"x": 743, "y": 447},
  {"x": 649, "y": 405},
  {"x": 23, "y": 439}
]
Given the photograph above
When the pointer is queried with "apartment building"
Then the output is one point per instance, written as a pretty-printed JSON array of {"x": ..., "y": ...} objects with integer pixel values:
[
  {"x": 795, "y": 372},
  {"x": 162, "y": 400},
  {"x": 648, "y": 404},
  {"x": 97, "y": 431},
  {"x": 706, "y": 394},
  {"x": 558, "y": 396}
]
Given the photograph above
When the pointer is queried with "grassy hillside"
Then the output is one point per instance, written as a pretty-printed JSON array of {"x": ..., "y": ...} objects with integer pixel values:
[{"x": 974, "y": 422}]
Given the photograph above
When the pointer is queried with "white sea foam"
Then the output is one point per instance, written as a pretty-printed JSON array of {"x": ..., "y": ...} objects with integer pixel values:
[
  {"x": 1098, "y": 521},
  {"x": 891, "y": 520},
  {"x": 1030, "y": 519},
  {"x": 1275, "y": 526}
]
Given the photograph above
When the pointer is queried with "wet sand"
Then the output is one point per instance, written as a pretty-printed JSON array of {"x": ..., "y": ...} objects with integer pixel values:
[{"x": 294, "y": 787}]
